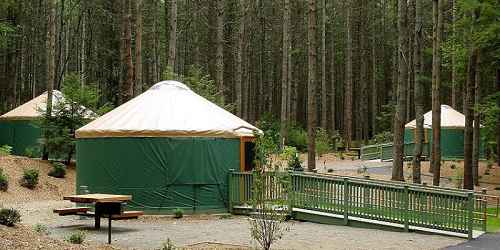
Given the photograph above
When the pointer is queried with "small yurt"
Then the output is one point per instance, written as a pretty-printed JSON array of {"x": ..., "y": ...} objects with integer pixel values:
[
  {"x": 17, "y": 127},
  {"x": 168, "y": 148},
  {"x": 452, "y": 132}
]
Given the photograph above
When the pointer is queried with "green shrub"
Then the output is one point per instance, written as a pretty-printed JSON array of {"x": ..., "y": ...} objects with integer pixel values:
[
  {"x": 41, "y": 229},
  {"x": 4, "y": 182},
  {"x": 76, "y": 238},
  {"x": 9, "y": 217},
  {"x": 322, "y": 142},
  {"x": 5, "y": 150},
  {"x": 32, "y": 152},
  {"x": 58, "y": 170},
  {"x": 178, "y": 213},
  {"x": 383, "y": 137},
  {"x": 30, "y": 178},
  {"x": 297, "y": 137},
  {"x": 295, "y": 164},
  {"x": 270, "y": 126}
]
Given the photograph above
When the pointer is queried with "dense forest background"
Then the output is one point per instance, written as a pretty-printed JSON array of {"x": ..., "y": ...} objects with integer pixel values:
[{"x": 341, "y": 65}]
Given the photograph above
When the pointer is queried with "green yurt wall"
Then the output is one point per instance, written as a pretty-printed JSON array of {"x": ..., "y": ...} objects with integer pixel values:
[
  {"x": 19, "y": 134},
  {"x": 160, "y": 173}
]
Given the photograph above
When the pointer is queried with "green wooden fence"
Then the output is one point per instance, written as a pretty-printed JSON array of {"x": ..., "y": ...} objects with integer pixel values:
[
  {"x": 384, "y": 151},
  {"x": 444, "y": 209}
]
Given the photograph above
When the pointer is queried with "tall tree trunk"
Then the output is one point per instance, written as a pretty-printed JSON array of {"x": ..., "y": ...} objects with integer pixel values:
[
  {"x": 324, "y": 103},
  {"x": 498, "y": 117},
  {"x": 83, "y": 43},
  {"x": 172, "y": 42},
  {"x": 469, "y": 117},
  {"x": 477, "y": 124},
  {"x": 219, "y": 75},
  {"x": 239, "y": 58},
  {"x": 51, "y": 49},
  {"x": 400, "y": 115},
  {"x": 284, "y": 72},
  {"x": 374, "y": 88},
  {"x": 311, "y": 86},
  {"x": 128, "y": 83},
  {"x": 454, "y": 85},
  {"x": 411, "y": 70},
  {"x": 437, "y": 7},
  {"x": 418, "y": 62},
  {"x": 138, "y": 49},
  {"x": 349, "y": 81},
  {"x": 333, "y": 93}
]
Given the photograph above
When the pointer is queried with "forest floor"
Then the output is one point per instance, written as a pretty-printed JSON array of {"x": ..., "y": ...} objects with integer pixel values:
[{"x": 150, "y": 232}]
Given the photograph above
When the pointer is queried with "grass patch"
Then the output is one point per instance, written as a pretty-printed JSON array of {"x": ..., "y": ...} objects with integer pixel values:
[{"x": 492, "y": 223}]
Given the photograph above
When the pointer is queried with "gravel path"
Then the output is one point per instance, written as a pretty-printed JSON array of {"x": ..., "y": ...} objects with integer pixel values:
[{"x": 151, "y": 231}]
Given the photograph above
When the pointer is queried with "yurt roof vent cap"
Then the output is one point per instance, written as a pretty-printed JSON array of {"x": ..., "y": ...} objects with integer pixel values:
[{"x": 169, "y": 84}]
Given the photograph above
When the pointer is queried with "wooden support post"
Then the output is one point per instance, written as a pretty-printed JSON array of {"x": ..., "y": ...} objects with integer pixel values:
[
  {"x": 406, "y": 203},
  {"x": 109, "y": 229},
  {"x": 97, "y": 220},
  {"x": 346, "y": 201}
]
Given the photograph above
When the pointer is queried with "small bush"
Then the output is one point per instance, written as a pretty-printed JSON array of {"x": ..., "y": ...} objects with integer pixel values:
[
  {"x": 41, "y": 229},
  {"x": 30, "y": 178},
  {"x": 58, "y": 170},
  {"x": 297, "y": 137},
  {"x": 322, "y": 142},
  {"x": 178, "y": 213},
  {"x": 5, "y": 150},
  {"x": 32, "y": 152},
  {"x": 330, "y": 170},
  {"x": 453, "y": 166},
  {"x": 168, "y": 245},
  {"x": 76, "y": 238},
  {"x": 295, "y": 164},
  {"x": 9, "y": 217},
  {"x": 4, "y": 182}
]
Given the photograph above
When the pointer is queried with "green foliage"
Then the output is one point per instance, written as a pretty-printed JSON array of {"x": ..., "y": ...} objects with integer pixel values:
[
  {"x": 58, "y": 170},
  {"x": 178, "y": 213},
  {"x": 5, "y": 150},
  {"x": 270, "y": 126},
  {"x": 6, "y": 32},
  {"x": 202, "y": 84},
  {"x": 297, "y": 137},
  {"x": 32, "y": 152},
  {"x": 9, "y": 217},
  {"x": 267, "y": 224},
  {"x": 384, "y": 118},
  {"x": 168, "y": 245},
  {"x": 291, "y": 155},
  {"x": 76, "y": 238},
  {"x": 70, "y": 113},
  {"x": 4, "y": 182},
  {"x": 490, "y": 113},
  {"x": 41, "y": 229},
  {"x": 30, "y": 178},
  {"x": 323, "y": 142},
  {"x": 383, "y": 137}
]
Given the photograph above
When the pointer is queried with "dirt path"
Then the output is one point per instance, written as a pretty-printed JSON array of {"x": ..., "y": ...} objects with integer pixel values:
[{"x": 151, "y": 231}]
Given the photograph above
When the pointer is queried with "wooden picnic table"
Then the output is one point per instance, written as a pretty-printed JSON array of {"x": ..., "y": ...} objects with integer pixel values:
[{"x": 106, "y": 205}]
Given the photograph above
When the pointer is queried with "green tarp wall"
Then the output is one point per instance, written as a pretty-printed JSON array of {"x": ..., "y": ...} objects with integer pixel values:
[
  {"x": 19, "y": 134},
  {"x": 160, "y": 173},
  {"x": 452, "y": 142}
]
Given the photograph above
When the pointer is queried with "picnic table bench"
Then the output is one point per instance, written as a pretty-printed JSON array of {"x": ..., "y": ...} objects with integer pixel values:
[{"x": 105, "y": 205}]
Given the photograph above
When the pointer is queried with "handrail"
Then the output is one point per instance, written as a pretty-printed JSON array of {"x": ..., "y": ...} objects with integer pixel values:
[{"x": 404, "y": 203}]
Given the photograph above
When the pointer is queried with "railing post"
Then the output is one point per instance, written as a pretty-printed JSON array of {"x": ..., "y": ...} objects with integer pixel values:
[
  {"x": 470, "y": 212},
  {"x": 346, "y": 200},
  {"x": 291, "y": 193},
  {"x": 406, "y": 203},
  {"x": 230, "y": 186}
]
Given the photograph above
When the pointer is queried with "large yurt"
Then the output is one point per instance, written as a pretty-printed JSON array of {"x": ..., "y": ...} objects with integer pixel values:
[
  {"x": 168, "y": 148},
  {"x": 452, "y": 132},
  {"x": 18, "y": 128}
]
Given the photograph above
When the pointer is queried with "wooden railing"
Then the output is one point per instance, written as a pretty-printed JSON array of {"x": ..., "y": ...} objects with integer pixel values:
[
  {"x": 444, "y": 209},
  {"x": 384, "y": 151}
]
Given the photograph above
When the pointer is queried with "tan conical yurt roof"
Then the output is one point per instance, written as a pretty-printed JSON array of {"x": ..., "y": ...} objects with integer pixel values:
[
  {"x": 31, "y": 109},
  {"x": 450, "y": 118},
  {"x": 168, "y": 109}
]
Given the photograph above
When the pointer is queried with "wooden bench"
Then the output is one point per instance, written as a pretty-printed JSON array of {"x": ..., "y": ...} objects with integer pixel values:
[
  {"x": 127, "y": 215},
  {"x": 71, "y": 210}
]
